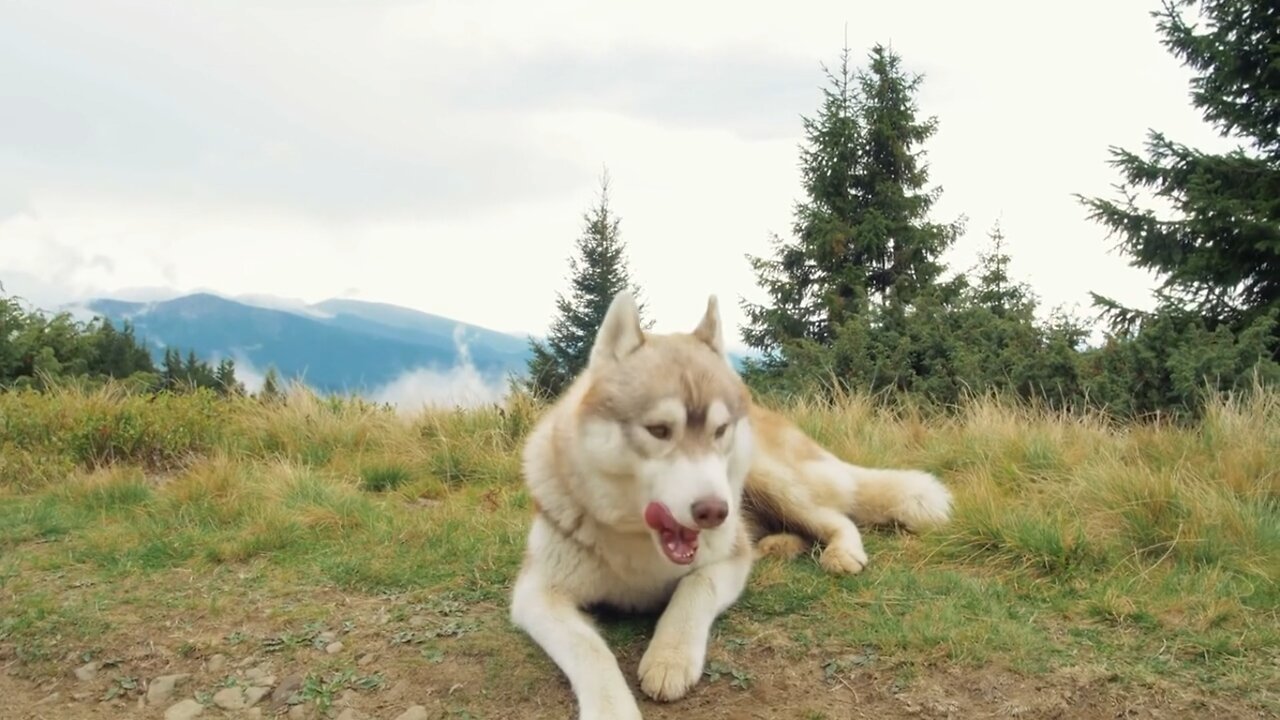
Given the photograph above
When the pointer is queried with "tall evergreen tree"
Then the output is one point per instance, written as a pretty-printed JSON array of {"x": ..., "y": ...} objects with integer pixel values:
[
  {"x": 1219, "y": 251},
  {"x": 271, "y": 391},
  {"x": 225, "y": 377},
  {"x": 863, "y": 236},
  {"x": 172, "y": 373},
  {"x": 597, "y": 274}
]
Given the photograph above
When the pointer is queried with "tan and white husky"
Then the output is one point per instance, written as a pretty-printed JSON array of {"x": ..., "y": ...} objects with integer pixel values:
[{"x": 654, "y": 477}]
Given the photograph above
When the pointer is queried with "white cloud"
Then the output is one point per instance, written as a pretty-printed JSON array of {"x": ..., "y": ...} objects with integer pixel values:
[{"x": 460, "y": 386}]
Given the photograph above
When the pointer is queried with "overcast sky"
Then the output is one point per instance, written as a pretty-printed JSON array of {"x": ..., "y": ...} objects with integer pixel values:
[{"x": 291, "y": 147}]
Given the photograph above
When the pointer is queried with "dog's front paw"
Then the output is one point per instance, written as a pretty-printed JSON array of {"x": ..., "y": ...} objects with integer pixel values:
[
  {"x": 667, "y": 672},
  {"x": 844, "y": 558}
]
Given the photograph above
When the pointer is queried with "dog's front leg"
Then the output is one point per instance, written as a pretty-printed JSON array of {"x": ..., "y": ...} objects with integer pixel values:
[
  {"x": 674, "y": 659},
  {"x": 553, "y": 620}
]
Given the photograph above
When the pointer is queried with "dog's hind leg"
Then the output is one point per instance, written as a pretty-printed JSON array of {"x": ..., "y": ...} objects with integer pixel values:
[{"x": 554, "y": 622}]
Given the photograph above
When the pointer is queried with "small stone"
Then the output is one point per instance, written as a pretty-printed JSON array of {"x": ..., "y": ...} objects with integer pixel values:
[
  {"x": 259, "y": 677},
  {"x": 88, "y": 671},
  {"x": 254, "y": 694},
  {"x": 366, "y": 659},
  {"x": 217, "y": 662},
  {"x": 231, "y": 698},
  {"x": 161, "y": 689},
  {"x": 416, "y": 712},
  {"x": 299, "y": 712},
  {"x": 184, "y": 710},
  {"x": 287, "y": 687},
  {"x": 334, "y": 648}
]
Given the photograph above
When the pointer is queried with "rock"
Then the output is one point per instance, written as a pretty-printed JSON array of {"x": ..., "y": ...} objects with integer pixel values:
[
  {"x": 161, "y": 689},
  {"x": 258, "y": 677},
  {"x": 88, "y": 671},
  {"x": 253, "y": 694},
  {"x": 217, "y": 662},
  {"x": 299, "y": 712},
  {"x": 334, "y": 648},
  {"x": 366, "y": 659},
  {"x": 231, "y": 698},
  {"x": 287, "y": 687},
  {"x": 416, "y": 712},
  {"x": 184, "y": 710}
]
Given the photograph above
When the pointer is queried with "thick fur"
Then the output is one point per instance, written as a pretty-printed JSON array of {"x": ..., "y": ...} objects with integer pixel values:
[{"x": 600, "y": 455}]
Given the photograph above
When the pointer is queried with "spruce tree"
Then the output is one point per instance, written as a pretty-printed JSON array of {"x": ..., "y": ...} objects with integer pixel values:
[
  {"x": 597, "y": 274},
  {"x": 270, "y": 391},
  {"x": 173, "y": 373},
  {"x": 225, "y": 378},
  {"x": 1219, "y": 252},
  {"x": 862, "y": 234}
]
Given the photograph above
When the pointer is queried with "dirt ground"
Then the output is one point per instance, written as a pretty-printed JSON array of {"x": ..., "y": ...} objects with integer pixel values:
[{"x": 466, "y": 684}]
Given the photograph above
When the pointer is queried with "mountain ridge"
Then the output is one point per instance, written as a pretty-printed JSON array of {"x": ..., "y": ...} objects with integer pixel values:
[{"x": 334, "y": 345}]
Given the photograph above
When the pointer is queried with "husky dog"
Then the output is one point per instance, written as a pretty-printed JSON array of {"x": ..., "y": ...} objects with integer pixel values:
[{"x": 654, "y": 478}]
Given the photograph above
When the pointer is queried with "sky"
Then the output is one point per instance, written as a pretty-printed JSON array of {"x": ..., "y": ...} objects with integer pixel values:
[{"x": 440, "y": 155}]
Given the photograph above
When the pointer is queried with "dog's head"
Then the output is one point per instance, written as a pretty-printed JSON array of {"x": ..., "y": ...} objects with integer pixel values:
[{"x": 663, "y": 423}]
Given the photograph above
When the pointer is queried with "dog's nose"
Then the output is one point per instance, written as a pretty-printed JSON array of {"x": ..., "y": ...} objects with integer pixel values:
[{"x": 709, "y": 512}]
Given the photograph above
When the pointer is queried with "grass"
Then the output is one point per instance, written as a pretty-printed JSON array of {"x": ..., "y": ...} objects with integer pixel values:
[{"x": 1146, "y": 555}]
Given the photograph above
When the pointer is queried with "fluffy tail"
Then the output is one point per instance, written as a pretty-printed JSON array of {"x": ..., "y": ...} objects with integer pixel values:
[{"x": 913, "y": 498}]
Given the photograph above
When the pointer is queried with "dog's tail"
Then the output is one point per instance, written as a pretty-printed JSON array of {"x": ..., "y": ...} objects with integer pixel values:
[{"x": 912, "y": 498}]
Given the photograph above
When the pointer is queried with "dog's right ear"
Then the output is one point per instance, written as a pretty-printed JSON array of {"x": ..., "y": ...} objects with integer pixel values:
[{"x": 620, "y": 332}]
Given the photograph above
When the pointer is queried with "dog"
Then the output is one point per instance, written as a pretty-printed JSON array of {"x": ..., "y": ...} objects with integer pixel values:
[{"x": 656, "y": 482}]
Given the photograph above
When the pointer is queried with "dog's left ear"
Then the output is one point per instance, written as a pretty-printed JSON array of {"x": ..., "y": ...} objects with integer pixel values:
[{"x": 709, "y": 330}]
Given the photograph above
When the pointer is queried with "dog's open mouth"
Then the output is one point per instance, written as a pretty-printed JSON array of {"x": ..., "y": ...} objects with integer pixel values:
[{"x": 678, "y": 542}]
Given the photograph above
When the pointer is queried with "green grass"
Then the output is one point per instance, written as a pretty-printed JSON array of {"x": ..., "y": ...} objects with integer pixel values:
[{"x": 1148, "y": 553}]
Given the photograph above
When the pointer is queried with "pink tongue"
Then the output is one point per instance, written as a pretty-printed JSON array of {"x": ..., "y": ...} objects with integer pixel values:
[{"x": 678, "y": 542}]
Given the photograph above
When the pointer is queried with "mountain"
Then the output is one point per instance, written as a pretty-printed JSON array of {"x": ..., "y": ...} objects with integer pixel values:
[
  {"x": 338, "y": 345},
  {"x": 334, "y": 346}
]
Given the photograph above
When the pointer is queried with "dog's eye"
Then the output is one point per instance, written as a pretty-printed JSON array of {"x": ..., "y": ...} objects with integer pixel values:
[
  {"x": 662, "y": 432},
  {"x": 720, "y": 430}
]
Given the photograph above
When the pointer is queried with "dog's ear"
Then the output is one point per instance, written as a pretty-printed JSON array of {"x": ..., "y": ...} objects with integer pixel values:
[
  {"x": 710, "y": 330},
  {"x": 620, "y": 332}
]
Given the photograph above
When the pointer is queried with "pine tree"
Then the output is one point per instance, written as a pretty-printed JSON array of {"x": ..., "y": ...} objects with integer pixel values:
[
  {"x": 225, "y": 377},
  {"x": 1219, "y": 252},
  {"x": 173, "y": 374},
  {"x": 597, "y": 274},
  {"x": 270, "y": 391},
  {"x": 894, "y": 235},
  {"x": 862, "y": 234}
]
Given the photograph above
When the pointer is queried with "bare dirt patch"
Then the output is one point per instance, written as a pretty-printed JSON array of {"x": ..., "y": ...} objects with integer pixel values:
[{"x": 464, "y": 662}]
